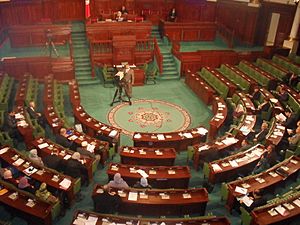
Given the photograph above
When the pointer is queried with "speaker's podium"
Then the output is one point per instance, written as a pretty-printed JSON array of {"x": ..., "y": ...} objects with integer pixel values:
[{"x": 124, "y": 47}]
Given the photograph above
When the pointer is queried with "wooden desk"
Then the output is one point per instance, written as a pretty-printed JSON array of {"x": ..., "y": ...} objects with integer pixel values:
[
  {"x": 188, "y": 31},
  {"x": 177, "y": 140},
  {"x": 159, "y": 176},
  {"x": 46, "y": 147},
  {"x": 180, "y": 202},
  {"x": 202, "y": 151},
  {"x": 79, "y": 215},
  {"x": 276, "y": 133},
  {"x": 35, "y": 35},
  {"x": 52, "y": 118},
  {"x": 106, "y": 30},
  {"x": 220, "y": 111},
  {"x": 261, "y": 215},
  {"x": 40, "y": 213},
  {"x": 200, "y": 87},
  {"x": 147, "y": 156},
  {"x": 43, "y": 174},
  {"x": 74, "y": 93},
  {"x": 247, "y": 103},
  {"x": 265, "y": 181},
  {"x": 93, "y": 127},
  {"x": 275, "y": 103},
  {"x": 139, "y": 77},
  {"x": 228, "y": 168},
  {"x": 101, "y": 147}
]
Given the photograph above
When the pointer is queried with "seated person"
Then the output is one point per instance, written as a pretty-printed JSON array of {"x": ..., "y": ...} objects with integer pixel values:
[
  {"x": 117, "y": 182},
  {"x": 255, "y": 96},
  {"x": 119, "y": 17},
  {"x": 33, "y": 156},
  {"x": 293, "y": 80},
  {"x": 8, "y": 176},
  {"x": 237, "y": 113},
  {"x": 62, "y": 139},
  {"x": 282, "y": 94},
  {"x": 259, "y": 135},
  {"x": 12, "y": 128},
  {"x": 75, "y": 168},
  {"x": 36, "y": 115},
  {"x": 244, "y": 146},
  {"x": 172, "y": 15},
  {"x": 143, "y": 183},
  {"x": 123, "y": 10},
  {"x": 263, "y": 164},
  {"x": 44, "y": 194},
  {"x": 265, "y": 106},
  {"x": 25, "y": 185},
  {"x": 294, "y": 140},
  {"x": 291, "y": 120},
  {"x": 107, "y": 202},
  {"x": 257, "y": 198},
  {"x": 53, "y": 161}
]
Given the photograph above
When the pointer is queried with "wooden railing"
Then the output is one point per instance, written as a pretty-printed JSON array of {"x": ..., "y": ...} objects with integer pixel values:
[
  {"x": 226, "y": 34},
  {"x": 143, "y": 45},
  {"x": 158, "y": 56}
]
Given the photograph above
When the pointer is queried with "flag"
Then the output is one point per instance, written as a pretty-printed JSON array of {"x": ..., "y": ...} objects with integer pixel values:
[{"x": 87, "y": 9}]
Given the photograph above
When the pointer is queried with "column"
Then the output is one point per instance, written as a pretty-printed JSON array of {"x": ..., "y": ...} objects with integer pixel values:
[{"x": 293, "y": 42}]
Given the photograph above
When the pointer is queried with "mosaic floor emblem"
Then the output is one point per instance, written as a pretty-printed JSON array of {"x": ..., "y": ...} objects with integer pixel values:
[{"x": 149, "y": 116}]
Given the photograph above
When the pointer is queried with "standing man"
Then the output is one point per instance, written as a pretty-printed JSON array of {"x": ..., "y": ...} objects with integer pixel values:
[{"x": 128, "y": 81}]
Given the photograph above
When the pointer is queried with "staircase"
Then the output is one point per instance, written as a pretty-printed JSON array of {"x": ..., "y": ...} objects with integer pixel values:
[
  {"x": 82, "y": 62},
  {"x": 169, "y": 66}
]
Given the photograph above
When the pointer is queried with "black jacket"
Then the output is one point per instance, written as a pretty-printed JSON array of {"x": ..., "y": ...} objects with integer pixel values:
[{"x": 106, "y": 203}]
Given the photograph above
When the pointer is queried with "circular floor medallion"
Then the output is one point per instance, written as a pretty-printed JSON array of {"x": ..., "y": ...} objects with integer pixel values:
[{"x": 149, "y": 116}]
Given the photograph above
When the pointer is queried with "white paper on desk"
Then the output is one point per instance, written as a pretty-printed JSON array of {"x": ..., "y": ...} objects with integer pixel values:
[
  {"x": 203, "y": 148},
  {"x": 19, "y": 116},
  {"x": 160, "y": 137},
  {"x": 157, "y": 152},
  {"x": 142, "y": 173},
  {"x": 44, "y": 145},
  {"x": 281, "y": 210},
  {"x": 297, "y": 202},
  {"x": 257, "y": 152},
  {"x": 241, "y": 190},
  {"x": 250, "y": 118},
  {"x": 233, "y": 163},
  {"x": 272, "y": 212},
  {"x": 274, "y": 100},
  {"x": 188, "y": 135},
  {"x": 137, "y": 136},
  {"x": 93, "y": 219},
  {"x": 247, "y": 201},
  {"x": 216, "y": 167},
  {"x": 18, "y": 162},
  {"x": 30, "y": 170},
  {"x": 281, "y": 117},
  {"x": 202, "y": 130},
  {"x": 132, "y": 196},
  {"x": 79, "y": 221},
  {"x": 278, "y": 133},
  {"x": 3, "y": 150},
  {"x": 78, "y": 127},
  {"x": 113, "y": 133},
  {"x": 73, "y": 137},
  {"x": 230, "y": 140},
  {"x": 245, "y": 130},
  {"x": 67, "y": 157},
  {"x": 65, "y": 183},
  {"x": 90, "y": 148}
]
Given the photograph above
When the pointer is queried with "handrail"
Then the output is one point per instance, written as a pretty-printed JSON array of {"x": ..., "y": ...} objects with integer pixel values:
[{"x": 159, "y": 56}]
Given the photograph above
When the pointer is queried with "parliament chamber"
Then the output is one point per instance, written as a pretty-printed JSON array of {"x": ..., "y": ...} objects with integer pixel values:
[{"x": 149, "y": 112}]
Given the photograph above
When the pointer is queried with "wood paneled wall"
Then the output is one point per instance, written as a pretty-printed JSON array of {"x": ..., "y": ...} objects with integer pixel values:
[
  {"x": 33, "y": 11},
  {"x": 250, "y": 24}
]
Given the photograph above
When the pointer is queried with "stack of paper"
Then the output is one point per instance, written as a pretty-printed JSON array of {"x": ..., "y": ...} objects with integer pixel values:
[
  {"x": 137, "y": 136},
  {"x": 281, "y": 210},
  {"x": 247, "y": 201},
  {"x": 44, "y": 145},
  {"x": 241, "y": 190},
  {"x": 233, "y": 163},
  {"x": 18, "y": 162},
  {"x": 216, "y": 167},
  {"x": 160, "y": 137},
  {"x": 65, "y": 183},
  {"x": 202, "y": 130},
  {"x": 90, "y": 148}
]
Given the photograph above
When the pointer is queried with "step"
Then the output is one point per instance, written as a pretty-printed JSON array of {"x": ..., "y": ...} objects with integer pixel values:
[
  {"x": 83, "y": 73},
  {"x": 76, "y": 42},
  {"x": 169, "y": 69},
  {"x": 82, "y": 69},
  {"x": 168, "y": 64},
  {"x": 78, "y": 34},
  {"x": 85, "y": 64},
  {"x": 168, "y": 60},
  {"x": 79, "y": 38},
  {"x": 89, "y": 82},
  {"x": 82, "y": 60}
]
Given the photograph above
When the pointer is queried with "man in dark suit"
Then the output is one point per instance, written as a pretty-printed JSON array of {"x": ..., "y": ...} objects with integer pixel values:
[
  {"x": 34, "y": 114},
  {"x": 106, "y": 202},
  {"x": 12, "y": 128},
  {"x": 62, "y": 139},
  {"x": 291, "y": 120},
  {"x": 75, "y": 168},
  {"x": 261, "y": 135}
]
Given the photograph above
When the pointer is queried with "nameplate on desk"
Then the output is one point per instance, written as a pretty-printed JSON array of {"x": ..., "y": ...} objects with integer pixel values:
[
  {"x": 164, "y": 196},
  {"x": 73, "y": 137},
  {"x": 273, "y": 212},
  {"x": 67, "y": 157},
  {"x": 126, "y": 150},
  {"x": 187, "y": 135},
  {"x": 137, "y": 136},
  {"x": 260, "y": 180},
  {"x": 171, "y": 172},
  {"x": 281, "y": 210},
  {"x": 273, "y": 174},
  {"x": 288, "y": 206},
  {"x": 233, "y": 163},
  {"x": 241, "y": 190},
  {"x": 297, "y": 202},
  {"x": 114, "y": 168},
  {"x": 157, "y": 152},
  {"x": 216, "y": 167},
  {"x": 40, "y": 172},
  {"x": 245, "y": 185},
  {"x": 44, "y": 145},
  {"x": 121, "y": 193},
  {"x": 186, "y": 195},
  {"x": 18, "y": 162},
  {"x": 294, "y": 161},
  {"x": 152, "y": 172},
  {"x": 160, "y": 137},
  {"x": 143, "y": 195},
  {"x": 55, "y": 178},
  {"x": 30, "y": 203}
]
